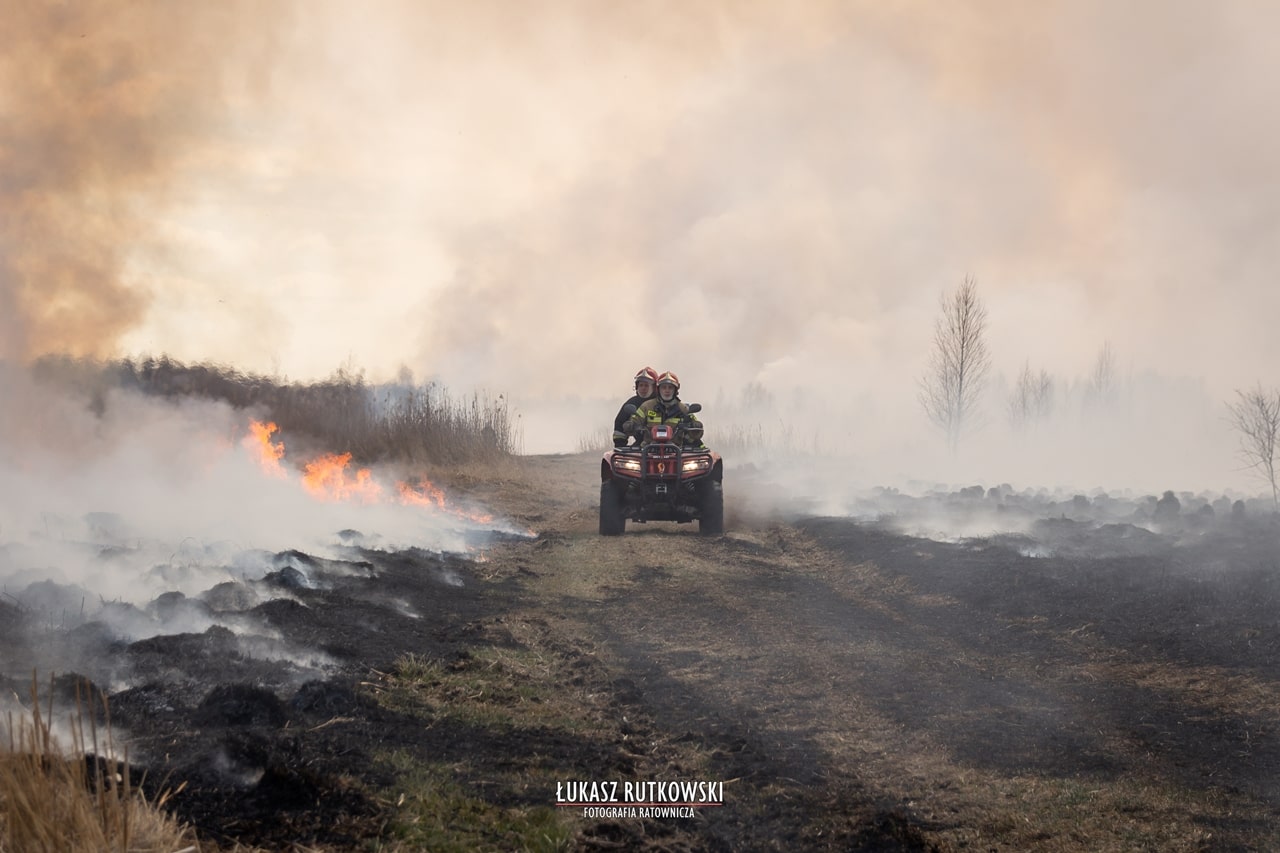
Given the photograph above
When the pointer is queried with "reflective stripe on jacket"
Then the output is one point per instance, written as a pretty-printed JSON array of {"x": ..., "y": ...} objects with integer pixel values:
[{"x": 654, "y": 411}]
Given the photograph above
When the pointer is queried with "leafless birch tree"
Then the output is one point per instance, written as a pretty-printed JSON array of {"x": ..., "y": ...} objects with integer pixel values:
[
  {"x": 1101, "y": 389},
  {"x": 1255, "y": 416},
  {"x": 1032, "y": 398},
  {"x": 952, "y": 386}
]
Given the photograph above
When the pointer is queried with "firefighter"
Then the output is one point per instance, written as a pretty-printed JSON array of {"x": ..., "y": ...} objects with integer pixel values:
[
  {"x": 644, "y": 381},
  {"x": 665, "y": 407}
]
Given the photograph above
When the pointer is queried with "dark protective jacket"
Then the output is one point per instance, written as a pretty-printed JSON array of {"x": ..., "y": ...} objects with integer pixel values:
[
  {"x": 654, "y": 411},
  {"x": 620, "y": 437}
]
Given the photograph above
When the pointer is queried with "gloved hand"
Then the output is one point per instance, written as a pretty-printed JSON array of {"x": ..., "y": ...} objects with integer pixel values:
[{"x": 628, "y": 426}]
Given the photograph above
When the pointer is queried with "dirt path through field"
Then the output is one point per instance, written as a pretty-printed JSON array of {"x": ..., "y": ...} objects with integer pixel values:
[
  {"x": 860, "y": 689},
  {"x": 1080, "y": 686}
]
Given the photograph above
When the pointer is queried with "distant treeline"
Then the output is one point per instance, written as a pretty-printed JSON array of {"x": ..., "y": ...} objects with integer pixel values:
[{"x": 344, "y": 413}]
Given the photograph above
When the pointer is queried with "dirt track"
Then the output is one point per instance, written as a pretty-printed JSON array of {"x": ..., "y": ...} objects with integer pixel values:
[
  {"x": 863, "y": 688},
  {"x": 853, "y": 687}
]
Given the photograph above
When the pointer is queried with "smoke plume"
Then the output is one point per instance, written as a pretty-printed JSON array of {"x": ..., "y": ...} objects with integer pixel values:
[{"x": 537, "y": 200}]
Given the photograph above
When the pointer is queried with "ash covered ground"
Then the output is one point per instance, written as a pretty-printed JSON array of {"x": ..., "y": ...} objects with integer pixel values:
[
  {"x": 865, "y": 678},
  {"x": 245, "y": 696}
]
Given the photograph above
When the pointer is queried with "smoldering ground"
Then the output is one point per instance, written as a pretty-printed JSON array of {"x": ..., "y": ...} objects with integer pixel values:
[
  {"x": 129, "y": 512},
  {"x": 539, "y": 201},
  {"x": 158, "y": 575}
]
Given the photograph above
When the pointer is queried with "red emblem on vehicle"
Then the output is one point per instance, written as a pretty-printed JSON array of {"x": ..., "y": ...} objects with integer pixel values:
[{"x": 662, "y": 467}]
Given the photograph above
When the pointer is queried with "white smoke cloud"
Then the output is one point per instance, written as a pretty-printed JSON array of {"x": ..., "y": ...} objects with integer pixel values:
[
  {"x": 148, "y": 496},
  {"x": 537, "y": 201}
]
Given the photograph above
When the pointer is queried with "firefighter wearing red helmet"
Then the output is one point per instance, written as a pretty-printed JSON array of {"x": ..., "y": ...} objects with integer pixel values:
[
  {"x": 665, "y": 407},
  {"x": 645, "y": 380}
]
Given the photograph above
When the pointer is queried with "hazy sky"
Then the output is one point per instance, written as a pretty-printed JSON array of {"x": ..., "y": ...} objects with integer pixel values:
[{"x": 539, "y": 197}]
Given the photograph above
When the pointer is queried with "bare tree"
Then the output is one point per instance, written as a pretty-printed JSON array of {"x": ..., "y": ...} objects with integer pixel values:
[
  {"x": 1256, "y": 417},
  {"x": 1032, "y": 398},
  {"x": 1101, "y": 388},
  {"x": 952, "y": 385}
]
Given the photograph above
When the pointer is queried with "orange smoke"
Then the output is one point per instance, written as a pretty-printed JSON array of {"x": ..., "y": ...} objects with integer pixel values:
[{"x": 101, "y": 118}]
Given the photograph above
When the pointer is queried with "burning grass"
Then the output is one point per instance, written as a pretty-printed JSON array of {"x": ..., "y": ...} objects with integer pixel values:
[
  {"x": 60, "y": 798},
  {"x": 855, "y": 687}
]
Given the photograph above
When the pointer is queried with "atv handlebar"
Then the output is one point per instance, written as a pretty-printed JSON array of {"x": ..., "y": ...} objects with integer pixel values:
[{"x": 685, "y": 424}]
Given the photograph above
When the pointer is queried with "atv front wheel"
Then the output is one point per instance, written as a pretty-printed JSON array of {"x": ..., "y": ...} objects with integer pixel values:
[
  {"x": 711, "y": 512},
  {"x": 612, "y": 521}
]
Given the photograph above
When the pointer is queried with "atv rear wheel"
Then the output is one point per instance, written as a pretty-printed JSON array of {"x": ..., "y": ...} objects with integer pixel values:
[
  {"x": 711, "y": 511},
  {"x": 612, "y": 521}
]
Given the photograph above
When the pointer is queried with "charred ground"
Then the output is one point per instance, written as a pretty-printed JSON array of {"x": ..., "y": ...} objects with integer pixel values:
[{"x": 1089, "y": 684}]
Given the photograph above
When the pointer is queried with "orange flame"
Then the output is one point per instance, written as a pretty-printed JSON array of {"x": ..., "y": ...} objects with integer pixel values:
[
  {"x": 326, "y": 478},
  {"x": 424, "y": 494},
  {"x": 427, "y": 494},
  {"x": 269, "y": 455}
]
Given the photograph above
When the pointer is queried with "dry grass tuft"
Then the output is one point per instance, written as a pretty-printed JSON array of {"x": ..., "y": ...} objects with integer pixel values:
[{"x": 56, "y": 799}]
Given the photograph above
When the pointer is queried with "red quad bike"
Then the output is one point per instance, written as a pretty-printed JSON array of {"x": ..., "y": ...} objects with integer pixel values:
[{"x": 662, "y": 481}]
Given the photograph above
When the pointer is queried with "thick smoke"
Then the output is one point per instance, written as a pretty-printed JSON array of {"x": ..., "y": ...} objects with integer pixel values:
[
  {"x": 126, "y": 498},
  {"x": 102, "y": 106},
  {"x": 801, "y": 200},
  {"x": 537, "y": 200}
]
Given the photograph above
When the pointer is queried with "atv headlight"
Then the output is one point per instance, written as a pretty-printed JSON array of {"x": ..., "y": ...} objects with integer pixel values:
[
  {"x": 699, "y": 463},
  {"x": 627, "y": 464}
]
